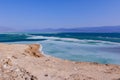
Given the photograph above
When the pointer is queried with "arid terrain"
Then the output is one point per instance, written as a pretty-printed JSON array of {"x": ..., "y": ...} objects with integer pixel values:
[{"x": 26, "y": 62}]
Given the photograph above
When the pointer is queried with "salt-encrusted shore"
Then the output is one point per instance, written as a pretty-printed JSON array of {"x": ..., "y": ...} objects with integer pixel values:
[{"x": 25, "y": 62}]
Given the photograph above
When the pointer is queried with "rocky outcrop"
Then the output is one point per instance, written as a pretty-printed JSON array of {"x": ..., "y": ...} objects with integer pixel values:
[
  {"x": 33, "y": 50},
  {"x": 26, "y": 62}
]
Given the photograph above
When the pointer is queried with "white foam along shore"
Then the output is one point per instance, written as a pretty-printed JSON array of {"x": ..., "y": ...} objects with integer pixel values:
[
  {"x": 25, "y": 62},
  {"x": 72, "y": 39}
]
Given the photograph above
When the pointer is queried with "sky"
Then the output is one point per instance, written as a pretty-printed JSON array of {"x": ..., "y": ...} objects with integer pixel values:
[{"x": 40, "y": 14}]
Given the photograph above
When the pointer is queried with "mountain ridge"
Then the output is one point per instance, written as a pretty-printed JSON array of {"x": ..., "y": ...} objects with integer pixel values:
[{"x": 103, "y": 29}]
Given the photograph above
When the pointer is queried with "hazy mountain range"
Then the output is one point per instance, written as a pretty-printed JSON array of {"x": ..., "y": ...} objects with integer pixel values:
[
  {"x": 6, "y": 29},
  {"x": 103, "y": 29}
]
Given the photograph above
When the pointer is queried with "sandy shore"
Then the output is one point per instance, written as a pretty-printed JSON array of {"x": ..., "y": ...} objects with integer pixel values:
[{"x": 25, "y": 62}]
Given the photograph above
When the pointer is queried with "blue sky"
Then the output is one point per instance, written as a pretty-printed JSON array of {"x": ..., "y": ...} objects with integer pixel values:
[{"x": 31, "y": 14}]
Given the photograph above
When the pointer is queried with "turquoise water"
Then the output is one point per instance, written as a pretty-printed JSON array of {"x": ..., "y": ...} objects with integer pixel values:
[{"x": 90, "y": 47}]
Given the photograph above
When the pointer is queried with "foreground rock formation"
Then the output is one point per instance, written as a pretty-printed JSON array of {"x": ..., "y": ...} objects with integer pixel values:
[{"x": 25, "y": 62}]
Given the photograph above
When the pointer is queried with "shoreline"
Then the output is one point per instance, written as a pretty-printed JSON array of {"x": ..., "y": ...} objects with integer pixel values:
[{"x": 28, "y": 62}]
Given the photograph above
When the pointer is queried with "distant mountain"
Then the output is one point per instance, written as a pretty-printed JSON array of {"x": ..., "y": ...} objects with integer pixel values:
[
  {"x": 103, "y": 29},
  {"x": 6, "y": 29}
]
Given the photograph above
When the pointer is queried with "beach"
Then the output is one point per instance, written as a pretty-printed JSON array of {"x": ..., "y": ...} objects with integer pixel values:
[{"x": 27, "y": 62}]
